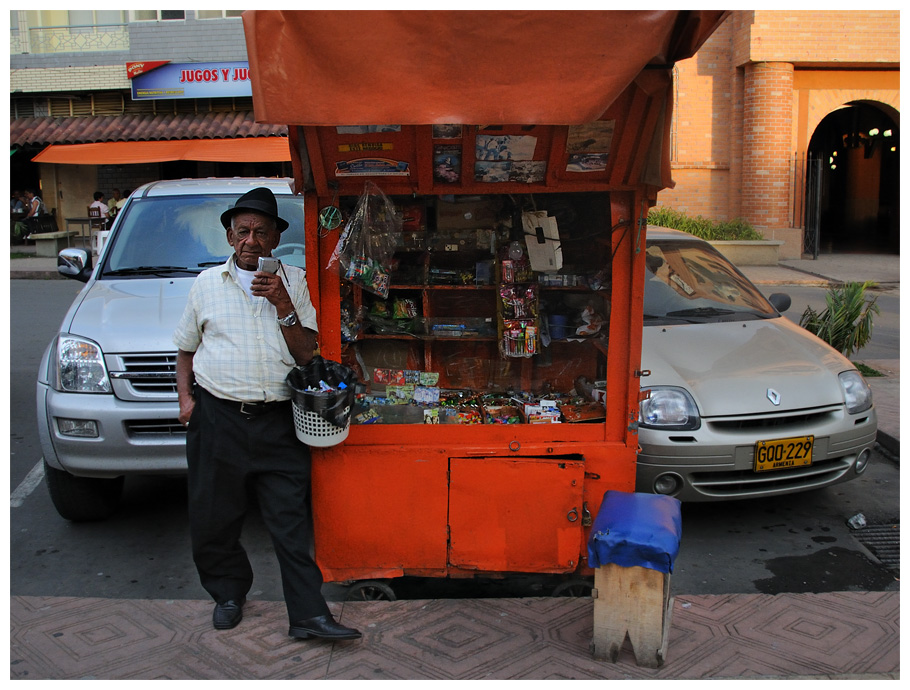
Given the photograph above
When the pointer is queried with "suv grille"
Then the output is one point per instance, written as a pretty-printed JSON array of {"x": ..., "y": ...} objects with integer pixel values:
[
  {"x": 154, "y": 428},
  {"x": 150, "y": 376}
]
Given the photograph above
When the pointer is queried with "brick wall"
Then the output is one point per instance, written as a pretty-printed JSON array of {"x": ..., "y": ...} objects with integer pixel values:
[
  {"x": 767, "y": 143},
  {"x": 68, "y": 79},
  {"x": 812, "y": 36},
  {"x": 704, "y": 97},
  {"x": 702, "y": 135},
  {"x": 699, "y": 192},
  {"x": 125, "y": 177},
  {"x": 738, "y": 119}
]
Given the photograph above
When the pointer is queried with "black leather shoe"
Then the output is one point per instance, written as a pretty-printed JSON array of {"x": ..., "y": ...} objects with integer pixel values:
[
  {"x": 325, "y": 627},
  {"x": 228, "y": 614}
]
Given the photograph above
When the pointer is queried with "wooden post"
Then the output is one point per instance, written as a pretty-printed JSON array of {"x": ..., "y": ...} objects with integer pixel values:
[{"x": 634, "y": 601}]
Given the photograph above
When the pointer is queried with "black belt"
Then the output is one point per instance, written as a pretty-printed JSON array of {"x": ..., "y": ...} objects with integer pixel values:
[{"x": 252, "y": 409}]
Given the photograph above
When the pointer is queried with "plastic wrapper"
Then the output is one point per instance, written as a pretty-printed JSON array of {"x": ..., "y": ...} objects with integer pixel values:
[
  {"x": 592, "y": 322},
  {"x": 350, "y": 323},
  {"x": 519, "y": 338},
  {"x": 519, "y": 301},
  {"x": 363, "y": 254}
]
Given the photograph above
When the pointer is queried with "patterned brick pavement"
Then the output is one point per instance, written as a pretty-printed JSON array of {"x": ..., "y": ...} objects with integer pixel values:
[{"x": 845, "y": 634}]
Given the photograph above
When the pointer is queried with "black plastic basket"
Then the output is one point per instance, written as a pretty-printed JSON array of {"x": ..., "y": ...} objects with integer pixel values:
[{"x": 322, "y": 418}]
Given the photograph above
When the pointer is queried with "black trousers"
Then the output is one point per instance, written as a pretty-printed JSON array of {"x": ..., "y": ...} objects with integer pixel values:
[{"x": 229, "y": 453}]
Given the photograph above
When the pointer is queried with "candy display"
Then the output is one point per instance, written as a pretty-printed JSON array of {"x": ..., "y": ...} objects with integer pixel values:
[
  {"x": 407, "y": 403},
  {"x": 500, "y": 339}
]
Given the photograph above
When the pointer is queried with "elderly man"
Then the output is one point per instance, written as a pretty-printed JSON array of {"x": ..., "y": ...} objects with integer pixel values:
[
  {"x": 117, "y": 202},
  {"x": 242, "y": 331}
]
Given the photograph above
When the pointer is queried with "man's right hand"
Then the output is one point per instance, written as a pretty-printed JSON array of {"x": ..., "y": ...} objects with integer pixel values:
[
  {"x": 185, "y": 382},
  {"x": 186, "y": 410}
]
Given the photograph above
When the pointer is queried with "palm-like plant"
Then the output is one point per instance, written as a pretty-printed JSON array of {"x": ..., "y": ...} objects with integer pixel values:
[{"x": 846, "y": 323}]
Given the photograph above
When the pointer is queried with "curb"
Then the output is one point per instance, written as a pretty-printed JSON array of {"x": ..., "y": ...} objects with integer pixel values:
[
  {"x": 889, "y": 443},
  {"x": 35, "y": 275}
]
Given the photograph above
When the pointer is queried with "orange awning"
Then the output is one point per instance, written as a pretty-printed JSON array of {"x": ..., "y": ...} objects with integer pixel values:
[
  {"x": 325, "y": 67},
  {"x": 250, "y": 150}
]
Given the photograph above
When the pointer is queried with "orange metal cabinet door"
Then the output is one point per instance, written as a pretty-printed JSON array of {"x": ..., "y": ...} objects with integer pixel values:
[
  {"x": 515, "y": 514},
  {"x": 378, "y": 511}
]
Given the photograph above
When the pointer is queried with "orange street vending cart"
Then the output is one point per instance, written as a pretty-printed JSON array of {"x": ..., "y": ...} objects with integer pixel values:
[{"x": 499, "y": 339}]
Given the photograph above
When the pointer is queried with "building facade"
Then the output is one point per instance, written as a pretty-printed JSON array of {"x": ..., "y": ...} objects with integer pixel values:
[
  {"x": 790, "y": 120},
  {"x": 787, "y": 119},
  {"x": 69, "y": 86}
]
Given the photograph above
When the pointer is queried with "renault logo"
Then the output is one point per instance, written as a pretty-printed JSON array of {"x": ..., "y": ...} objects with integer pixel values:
[{"x": 773, "y": 396}]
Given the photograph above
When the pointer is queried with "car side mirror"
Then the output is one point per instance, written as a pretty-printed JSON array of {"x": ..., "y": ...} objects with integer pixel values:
[
  {"x": 780, "y": 301},
  {"x": 75, "y": 263}
]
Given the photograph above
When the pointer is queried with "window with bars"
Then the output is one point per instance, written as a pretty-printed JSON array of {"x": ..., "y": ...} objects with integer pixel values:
[
  {"x": 217, "y": 14},
  {"x": 156, "y": 15},
  {"x": 92, "y": 18},
  {"x": 114, "y": 103}
]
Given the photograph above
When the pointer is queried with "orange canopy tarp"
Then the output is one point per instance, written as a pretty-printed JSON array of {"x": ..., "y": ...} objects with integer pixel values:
[
  {"x": 252, "y": 150},
  {"x": 325, "y": 67}
]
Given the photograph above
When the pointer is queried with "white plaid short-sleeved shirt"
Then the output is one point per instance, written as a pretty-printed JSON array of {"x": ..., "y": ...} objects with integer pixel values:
[{"x": 240, "y": 352}]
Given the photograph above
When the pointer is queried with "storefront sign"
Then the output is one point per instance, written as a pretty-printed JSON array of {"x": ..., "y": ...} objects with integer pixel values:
[
  {"x": 371, "y": 166},
  {"x": 364, "y": 146},
  {"x": 162, "y": 79}
]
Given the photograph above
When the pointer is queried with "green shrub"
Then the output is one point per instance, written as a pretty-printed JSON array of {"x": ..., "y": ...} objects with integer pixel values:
[
  {"x": 736, "y": 229},
  {"x": 846, "y": 322}
]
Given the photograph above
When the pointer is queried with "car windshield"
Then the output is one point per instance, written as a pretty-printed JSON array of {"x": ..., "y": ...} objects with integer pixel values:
[
  {"x": 182, "y": 235},
  {"x": 691, "y": 282}
]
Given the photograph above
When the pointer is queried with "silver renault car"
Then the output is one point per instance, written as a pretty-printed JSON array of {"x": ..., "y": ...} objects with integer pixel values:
[
  {"x": 740, "y": 402},
  {"x": 106, "y": 390}
]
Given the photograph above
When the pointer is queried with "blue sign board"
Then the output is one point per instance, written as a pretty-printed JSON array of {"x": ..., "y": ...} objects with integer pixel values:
[{"x": 191, "y": 80}]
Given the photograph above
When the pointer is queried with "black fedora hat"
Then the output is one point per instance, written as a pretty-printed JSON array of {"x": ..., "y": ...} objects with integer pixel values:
[{"x": 259, "y": 200}]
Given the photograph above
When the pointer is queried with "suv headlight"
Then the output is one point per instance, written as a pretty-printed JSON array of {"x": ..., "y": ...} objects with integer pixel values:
[
  {"x": 857, "y": 393},
  {"x": 80, "y": 366},
  {"x": 672, "y": 409}
]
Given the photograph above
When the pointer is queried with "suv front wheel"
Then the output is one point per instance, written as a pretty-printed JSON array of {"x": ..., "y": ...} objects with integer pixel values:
[{"x": 82, "y": 499}]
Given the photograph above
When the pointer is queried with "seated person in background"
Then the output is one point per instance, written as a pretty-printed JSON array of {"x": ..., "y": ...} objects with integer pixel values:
[
  {"x": 16, "y": 203},
  {"x": 116, "y": 204},
  {"x": 36, "y": 208},
  {"x": 99, "y": 203}
]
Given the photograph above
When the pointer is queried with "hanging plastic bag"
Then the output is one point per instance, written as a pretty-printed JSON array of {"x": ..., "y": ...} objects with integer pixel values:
[{"x": 364, "y": 251}]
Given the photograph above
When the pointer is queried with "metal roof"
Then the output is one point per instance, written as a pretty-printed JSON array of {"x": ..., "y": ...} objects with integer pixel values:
[{"x": 140, "y": 127}]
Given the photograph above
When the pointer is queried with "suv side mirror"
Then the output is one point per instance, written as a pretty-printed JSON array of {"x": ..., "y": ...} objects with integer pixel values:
[
  {"x": 780, "y": 301},
  {"x": 75, "y": 263}
]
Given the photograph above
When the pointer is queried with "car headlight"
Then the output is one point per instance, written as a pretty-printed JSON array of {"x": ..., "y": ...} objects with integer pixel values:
[
  {"x": 80, "y": 366},
  {"x": 668, "y": 408},
  {"x": 857, "y": 393}
]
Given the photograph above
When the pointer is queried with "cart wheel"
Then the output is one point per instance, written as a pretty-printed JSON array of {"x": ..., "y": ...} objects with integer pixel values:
[
  {"x": 370, "y": 590},
  {"x": 573, "y": 588}
]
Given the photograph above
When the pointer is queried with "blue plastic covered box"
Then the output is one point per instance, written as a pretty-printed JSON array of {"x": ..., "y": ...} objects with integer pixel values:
[{"x": 636, "y": 529}]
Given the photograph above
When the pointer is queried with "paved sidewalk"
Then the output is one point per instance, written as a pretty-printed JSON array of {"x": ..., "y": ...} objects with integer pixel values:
[{"x": 743, "y": 636}]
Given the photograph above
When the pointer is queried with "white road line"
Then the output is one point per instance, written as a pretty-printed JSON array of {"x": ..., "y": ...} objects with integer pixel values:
[{"x": 32, "y": 479}]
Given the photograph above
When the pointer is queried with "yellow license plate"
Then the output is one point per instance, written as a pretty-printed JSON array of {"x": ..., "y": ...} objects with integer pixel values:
[{"x": 783, "y": 453}]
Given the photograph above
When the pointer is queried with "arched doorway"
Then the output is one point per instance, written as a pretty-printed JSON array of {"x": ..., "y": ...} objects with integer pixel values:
[{"x": 857, "y": 152}]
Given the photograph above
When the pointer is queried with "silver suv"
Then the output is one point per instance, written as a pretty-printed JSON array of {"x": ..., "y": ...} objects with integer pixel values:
[{"x": 106, "y": 392}]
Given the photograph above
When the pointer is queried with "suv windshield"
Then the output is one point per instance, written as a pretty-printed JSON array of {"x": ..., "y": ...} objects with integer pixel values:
[
  {"x": 182, "y": 235},
  {"x": 691, "y": 282}
]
